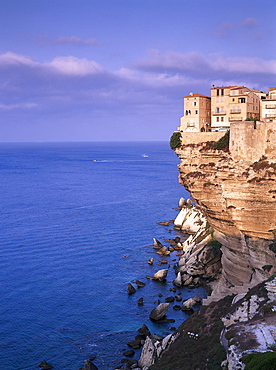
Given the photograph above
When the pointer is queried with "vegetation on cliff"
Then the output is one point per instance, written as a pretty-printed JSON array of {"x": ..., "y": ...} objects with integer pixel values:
[
  {"x": 198, "y": 345},
  {"x": 223, "y": 142},
  {"x": 175, "y": 141},
  {"x": 258, "y": 361}
]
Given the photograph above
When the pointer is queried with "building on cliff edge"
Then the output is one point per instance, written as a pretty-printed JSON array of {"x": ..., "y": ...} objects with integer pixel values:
[{"x": 226, "y": 105}]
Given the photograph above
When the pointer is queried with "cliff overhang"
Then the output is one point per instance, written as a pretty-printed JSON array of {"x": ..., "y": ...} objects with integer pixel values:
[{"x": 236, "y": 192}]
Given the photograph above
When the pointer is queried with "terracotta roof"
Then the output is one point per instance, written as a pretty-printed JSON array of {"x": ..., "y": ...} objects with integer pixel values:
[
  {"x": 196, "y": 95},
  {"x": 225, "y": 87}
]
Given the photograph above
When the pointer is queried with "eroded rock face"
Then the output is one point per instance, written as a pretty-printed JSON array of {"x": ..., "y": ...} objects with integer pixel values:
[
  {"x": 238, "y": 198},
  {"x": 250, "y": 324}
]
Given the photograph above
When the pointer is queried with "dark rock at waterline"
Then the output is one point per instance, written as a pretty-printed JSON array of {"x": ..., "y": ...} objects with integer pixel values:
[
  {"x": 140, "y": 337},
  {"x": 144, "y": 331},
  {"x": 140, "y": 284},
  {"x": 129, "y": 363},
  {"x": 130, "y": 289},
  {"x": 177, "y": 307},
  {"x": 159, "y": 312},
  {"x": 169, "y": 299},
  {"x": 88, "y": 365},
  {"x": 129, "y": 353},
  {"x": 45, "y": 366},
  {"x": 135, "y": 344},
  {"x": 140, "y": 301}
]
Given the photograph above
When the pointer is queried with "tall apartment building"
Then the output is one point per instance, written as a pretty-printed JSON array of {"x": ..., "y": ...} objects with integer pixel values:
[
  {"x": 197, "y": 113},
  {"x": 268, "y": 106},
  {"x": 233, "y": 103}
]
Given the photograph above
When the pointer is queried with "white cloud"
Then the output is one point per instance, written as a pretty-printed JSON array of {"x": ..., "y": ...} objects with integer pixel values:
[
  {"x": 10, "y": 58},
  {"x": 205, "y": 64},
  {"x": 74, "y": 66}
]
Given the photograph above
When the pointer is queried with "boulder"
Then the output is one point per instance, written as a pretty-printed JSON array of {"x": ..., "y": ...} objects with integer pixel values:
[
  {"x": 159, "y": 312},
  {"x": 130, "y": 289},
  {"x": 135, "y": 344},
  {"x": 88, "y": 365},
  {"x": 157, "y": 244},
  {"x": 45, "y": 366},
  {"x": 129, "y": 353},
  {"x": 178, "y": 281},
  {"x": 181, "y": 202},
  {"x": 140, "y": 301},
  {"x": 148, "y": 354},
  {"x": 189, "y": 304},
  {"x": 169, "y": 299},
  {"x": 140, "y": 284},
  {"x": 160, "y": 275},
  {"x": 150, "y": 261},
  {"x": 144, "y": 331}
]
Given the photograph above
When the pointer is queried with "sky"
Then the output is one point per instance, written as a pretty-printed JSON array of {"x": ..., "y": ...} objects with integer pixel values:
[{"x": 116, "y": 70}]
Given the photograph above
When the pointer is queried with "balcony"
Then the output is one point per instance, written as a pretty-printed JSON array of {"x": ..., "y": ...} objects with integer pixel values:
[
  {"x": 232, "y": 111},
  {"x": 270, "y": 106},
  {"x": 270, "y": 115},
  {"x": 218, "y": 113}
]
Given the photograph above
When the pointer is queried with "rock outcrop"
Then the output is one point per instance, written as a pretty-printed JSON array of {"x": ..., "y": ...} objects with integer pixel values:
[{"x": 238, "y": 199}]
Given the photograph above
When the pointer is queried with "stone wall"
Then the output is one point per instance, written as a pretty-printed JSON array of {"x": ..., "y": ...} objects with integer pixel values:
[
  {"x": 200, "y": 137},
  {"x": 249, "y": 141}
]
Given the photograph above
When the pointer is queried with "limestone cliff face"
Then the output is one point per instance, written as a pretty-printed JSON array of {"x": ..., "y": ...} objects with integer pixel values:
[{"x": 238, "y": 197}]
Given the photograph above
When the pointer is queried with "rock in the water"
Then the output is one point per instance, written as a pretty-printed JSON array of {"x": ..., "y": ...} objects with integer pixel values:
[
  {"x": 157, "y": 244},
  {"x": 144, "y": 331},
  {"x": 140, "y": 301},
  {"x": 160, "y": 275},
  {"x": 189, "y": 202},
  {"x": 169, "y": 299},
  {"x": 45, "y": 366},
  {"x": 150, "y": 261},
  {"x": 189, "y": 304},
  {"x": 181, "y": 202},
  {"x": 159, "y": 312},
  {"x": 130, "y": 289},
  {"x": 129, "y": 353},
  {"x": 135, "y": 344},
  {"x": 140, "y": 284},
  {"x": 88, "y": 365},
  {"x": 178, "y": 281}
]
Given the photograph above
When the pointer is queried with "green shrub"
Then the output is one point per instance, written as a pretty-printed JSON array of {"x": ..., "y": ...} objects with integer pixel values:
[
  {"x": 223, "y": 142},
  {"x": 175, "y": 141},
  {"x": 260, "y": 361},
  {"x": 272, "y": 246}
]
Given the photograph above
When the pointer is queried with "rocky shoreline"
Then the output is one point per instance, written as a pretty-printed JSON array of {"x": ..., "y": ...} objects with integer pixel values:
[{"x": 211, "y": 337}]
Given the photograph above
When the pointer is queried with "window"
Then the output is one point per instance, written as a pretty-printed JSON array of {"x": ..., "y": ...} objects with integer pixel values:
[
  {"x": 221, "y": 119},
  {"x": 217, "y": 119},
  {"x": 217, "y": 92},
  {"x": 194, "y": 103},
  {"x": 222, "y": 92},
  {"x": 196, "y": 112},
  {"x": 187, "y": 112},
  {"x": 217, "y": 110}
]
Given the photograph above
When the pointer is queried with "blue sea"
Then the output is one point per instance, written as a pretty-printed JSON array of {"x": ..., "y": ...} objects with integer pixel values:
[{"x": 77, "y": 225}]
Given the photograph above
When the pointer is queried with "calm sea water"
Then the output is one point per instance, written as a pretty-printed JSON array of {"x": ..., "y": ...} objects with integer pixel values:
[{"x": 77, "y": 222}]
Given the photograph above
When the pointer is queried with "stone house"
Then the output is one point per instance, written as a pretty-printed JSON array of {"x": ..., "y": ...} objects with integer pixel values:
[{"x": 197, "y": 113}]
